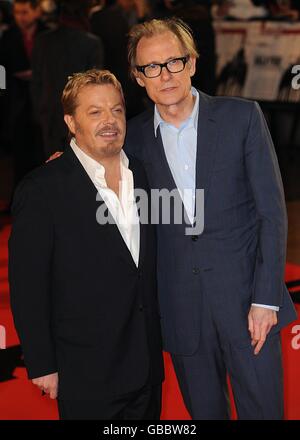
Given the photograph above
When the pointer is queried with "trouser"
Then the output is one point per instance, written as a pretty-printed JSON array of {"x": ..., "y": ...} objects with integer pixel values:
[
  {"x": 256, "y": 380},
  {"x": 143, "y": 404}
]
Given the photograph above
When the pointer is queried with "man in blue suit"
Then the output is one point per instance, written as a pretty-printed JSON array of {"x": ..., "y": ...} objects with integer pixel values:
[{"x": 222, "y": 295}]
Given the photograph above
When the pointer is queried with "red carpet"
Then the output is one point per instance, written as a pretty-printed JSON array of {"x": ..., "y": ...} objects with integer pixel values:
[{"x": 19, "y": 399}]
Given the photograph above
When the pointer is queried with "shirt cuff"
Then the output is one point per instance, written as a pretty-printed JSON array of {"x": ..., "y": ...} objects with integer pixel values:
[{"x": 264, "y": 306}]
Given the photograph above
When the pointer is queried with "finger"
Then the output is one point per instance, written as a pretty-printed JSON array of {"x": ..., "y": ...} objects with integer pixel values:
[
  {"x": 254, "y": 342},
  {"x": 53, "y": 393},
  {"x": 50, "y": 158},
  {"x": 53, "y": 156},
  {"x": 256, "y": 332},
  {"x": 46, "y": 390},
  {"x": 250, "y": 325},
  {"x": 268, "y": 329},
  {"x": 259, "y": 346}
]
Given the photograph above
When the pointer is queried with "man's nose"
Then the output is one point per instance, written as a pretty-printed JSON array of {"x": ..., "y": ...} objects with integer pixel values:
[
  {"x": 109, "y": 117},
  {"x": 165, "y": 74}
]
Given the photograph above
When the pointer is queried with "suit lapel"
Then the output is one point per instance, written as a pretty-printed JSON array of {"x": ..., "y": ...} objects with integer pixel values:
[
  {"x": 207, "y": 136},
  {"x": 88, "y": 202},
  {"x": 138, "y": 183},
  {"x": 155, "y": 153}
]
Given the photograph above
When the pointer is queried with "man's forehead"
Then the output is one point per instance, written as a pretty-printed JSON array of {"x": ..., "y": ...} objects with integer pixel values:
[
  {"x": 98, "y": 94},
  {"x": 168, "y": 46}
]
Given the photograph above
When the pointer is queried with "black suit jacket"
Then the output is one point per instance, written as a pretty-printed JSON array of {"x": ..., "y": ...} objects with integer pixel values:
[
  {"x": 81, "y": 306},
  {"x": 111, "y": 25},
  {"x": 14, "y": 58},
  {"x": 58, "y": 54}
]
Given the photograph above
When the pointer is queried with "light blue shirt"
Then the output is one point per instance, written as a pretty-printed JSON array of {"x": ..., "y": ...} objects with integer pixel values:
[{"x": 180, "y": 146}]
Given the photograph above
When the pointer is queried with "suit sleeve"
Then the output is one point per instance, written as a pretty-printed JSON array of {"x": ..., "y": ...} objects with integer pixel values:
[
  {"x": 265, "y": 179},
  {"x": 30, "y": 255}
]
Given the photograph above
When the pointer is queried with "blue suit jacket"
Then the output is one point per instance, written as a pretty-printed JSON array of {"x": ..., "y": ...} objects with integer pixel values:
[{"x": 239, "y": 258}]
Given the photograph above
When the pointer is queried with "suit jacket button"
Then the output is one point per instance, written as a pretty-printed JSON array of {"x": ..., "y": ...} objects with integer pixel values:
[
  {"x": 196, "y": 270},
  {"x": 141, "y": 308},
  {"x": 195, "y": 237}
]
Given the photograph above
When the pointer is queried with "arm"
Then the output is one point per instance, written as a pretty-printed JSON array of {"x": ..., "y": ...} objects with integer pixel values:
[
  {"x": 30, "y": 255},
  {"x": 265, "y": 179},
  {"x": 264, "y": 176}
]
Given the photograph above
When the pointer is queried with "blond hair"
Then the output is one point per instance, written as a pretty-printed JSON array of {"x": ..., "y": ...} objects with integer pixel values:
[
  {"x": 78, "y": 81},
  {"x": 156, "y": 27}
]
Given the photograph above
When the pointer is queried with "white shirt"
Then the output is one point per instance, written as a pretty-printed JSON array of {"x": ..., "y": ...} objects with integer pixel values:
[{"x": 123, "y": 209}]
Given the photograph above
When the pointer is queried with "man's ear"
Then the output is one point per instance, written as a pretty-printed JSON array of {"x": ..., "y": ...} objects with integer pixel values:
[
  {"x": 192, "y": 66},
  {"x": 69, "y": 120},
  {"x": 138, "y": 78}
]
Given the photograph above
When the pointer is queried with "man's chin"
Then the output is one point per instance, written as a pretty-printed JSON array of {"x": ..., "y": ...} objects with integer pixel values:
[
  {"x": 111, "y": 149},
  {"x": 171, "y": 98}
]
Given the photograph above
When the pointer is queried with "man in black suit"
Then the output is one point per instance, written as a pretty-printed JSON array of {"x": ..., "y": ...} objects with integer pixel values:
[
  {"x": 58, "y": 54},
  {"x": 112, "y": 21},
  {"x": 83, "y": 293},
  {"x": 16, "y": 47}
]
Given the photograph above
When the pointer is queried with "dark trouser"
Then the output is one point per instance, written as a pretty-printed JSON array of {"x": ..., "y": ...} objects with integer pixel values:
[
  {"x": 144, "y": 404},
  {"x": 256, "y": 381}
]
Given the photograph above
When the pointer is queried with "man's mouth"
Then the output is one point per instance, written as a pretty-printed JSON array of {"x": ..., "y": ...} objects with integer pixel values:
[
  {"x": 168, "y": 89},
  {"x": 109, "y": 134}
]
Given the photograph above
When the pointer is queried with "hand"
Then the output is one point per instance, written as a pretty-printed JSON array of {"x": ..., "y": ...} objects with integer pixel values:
[
  {"x": 54, "y": 156},
  {"x": 48, "y": 384},
  {"x": 260, "y": 322}
]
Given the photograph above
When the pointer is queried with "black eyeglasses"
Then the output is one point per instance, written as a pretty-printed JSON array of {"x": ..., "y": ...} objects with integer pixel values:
[{"x": 153, "y": 70}]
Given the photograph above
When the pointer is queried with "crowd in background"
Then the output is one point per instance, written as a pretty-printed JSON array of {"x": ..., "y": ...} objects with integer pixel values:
[{"x": 43, "y": 42}]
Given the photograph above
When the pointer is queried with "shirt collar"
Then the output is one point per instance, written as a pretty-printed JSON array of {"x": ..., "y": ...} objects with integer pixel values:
[
  {"x": 94, "y": 168},
  {"x": 193, "y": 116}
]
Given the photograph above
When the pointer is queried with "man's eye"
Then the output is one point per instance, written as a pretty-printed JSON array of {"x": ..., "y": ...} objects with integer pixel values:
[
  {"x": 173, "y": 62},
  {"x": 152, "y": 66},
  {"x": 96, "y": 112}
]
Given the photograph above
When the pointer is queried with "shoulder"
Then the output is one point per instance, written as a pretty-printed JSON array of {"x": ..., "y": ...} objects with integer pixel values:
[
  {"x": 228, "y": 103},
  {"x": 137, "y": 129},
  {"x": 94, "y": 39},
  {"x": 46, "y": 37},
  {"x": 46, "y": 176},
  {"x": 12, "y": 33},
  {"x": 230, "y": 112},
  {"x": 138, "y": 170},
  {"x": 135, "y": 164},
  {"x": 140, "y": 119}
]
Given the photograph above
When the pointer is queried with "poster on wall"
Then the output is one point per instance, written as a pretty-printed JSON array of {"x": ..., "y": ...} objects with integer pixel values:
[
  {"x": 231, "y": 68},
  {"x": 256, "y": 59}
]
